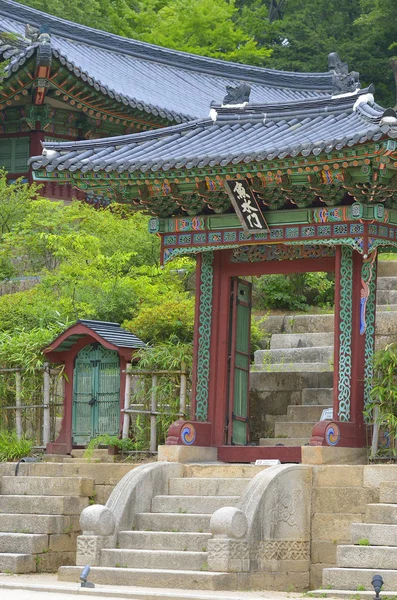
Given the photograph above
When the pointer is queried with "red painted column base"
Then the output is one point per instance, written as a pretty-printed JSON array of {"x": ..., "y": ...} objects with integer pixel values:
[
  {"x": 338, "y": 434},
  {"x": 189, "y": 433}
]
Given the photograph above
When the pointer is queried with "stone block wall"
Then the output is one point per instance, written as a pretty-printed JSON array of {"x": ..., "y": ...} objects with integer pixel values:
[{"x": 340, "y": 495}]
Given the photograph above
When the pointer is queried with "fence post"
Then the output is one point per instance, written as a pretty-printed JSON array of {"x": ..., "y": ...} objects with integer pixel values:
[
  {"x": 127, "y": 400},
  {"x": 153, "y": 417},
  {"x": 18, "y": 410},
  {"x": 46, "y": 402},
  {"x": 182, "y": 393}
]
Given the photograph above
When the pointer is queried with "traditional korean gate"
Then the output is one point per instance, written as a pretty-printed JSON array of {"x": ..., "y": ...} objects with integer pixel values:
[
  {"x": 96, "y": 394},
  {"x": 239, "y": 362}
]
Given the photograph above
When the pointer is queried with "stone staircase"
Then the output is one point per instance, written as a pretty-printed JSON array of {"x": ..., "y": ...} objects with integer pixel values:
[
  {"x": 302, "y": 344},
  {"x": 168, "y": 546},
  {"x": 39, "y": 521},
  {"x": 373, "y": 549}
]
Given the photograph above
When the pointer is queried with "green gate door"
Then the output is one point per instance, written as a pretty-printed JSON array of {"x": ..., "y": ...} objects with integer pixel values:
[
  {"x": 96, "y": 394},
  {"x": 239, "y": 362}
]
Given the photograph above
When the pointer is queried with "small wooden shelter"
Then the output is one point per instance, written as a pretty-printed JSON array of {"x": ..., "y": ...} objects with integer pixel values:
[{"x": 95, "y": 355}]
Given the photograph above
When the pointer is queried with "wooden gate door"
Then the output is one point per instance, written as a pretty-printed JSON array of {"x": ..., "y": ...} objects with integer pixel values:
[
  {"x": 239, "y": 362},
  {"x": 96, "y": 394}
]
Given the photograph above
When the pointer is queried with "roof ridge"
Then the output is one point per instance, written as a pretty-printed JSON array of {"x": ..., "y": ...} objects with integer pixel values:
[{"x": 115, "y": 43}]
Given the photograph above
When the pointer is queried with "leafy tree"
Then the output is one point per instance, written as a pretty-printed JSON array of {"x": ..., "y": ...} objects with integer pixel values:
[{"x": 205, "y": 27}]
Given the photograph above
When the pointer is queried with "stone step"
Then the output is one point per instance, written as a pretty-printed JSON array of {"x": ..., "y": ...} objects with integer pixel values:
[
  {"x": 305, "y": 412},
  {"x": 381, "y": 513},
  {"x": 386, "y": 297},
  {"x": 158, "y": 578},
  {"x": 154, "y": 559},
  {"x": 323, "y": 354},
  {"x": 11, "y": 523},
  {"x": 47, "y": 486},
  {"x": 350, "y": 579},
  {"x": 294, "y": 430},
  {"x": 207, "y": 486},
  {"x": 366, "y": 557},
  {"x": 318, "y": 396},
  {"x": 199, "y": 505},
  {"x": 301, "y": 340},
  {"x": 38, "y": 505},
  {"x": 374, "y": 533},
  {"x": 29, "y": 543},
  {"x": 309, "y": 323},
  {"x": 223, "y": 470},
  {"x": 158, "y": 540},
  {"x": 387, "y": 308},
  {"x": 388, "y": 492},
  {"x": 17, "y": 563},
  {"x": 172, "y": 522},
  {"x": 387, "y": 268},
  {"x": 265, "y": 381},
  {"x": 294, "y": 368},
  {"x": 270, "y": 442},
  {"x": 387, "y": 283}
]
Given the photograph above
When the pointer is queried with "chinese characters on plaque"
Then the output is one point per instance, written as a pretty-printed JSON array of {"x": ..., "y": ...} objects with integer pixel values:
[{"x": 246, "y": 206}]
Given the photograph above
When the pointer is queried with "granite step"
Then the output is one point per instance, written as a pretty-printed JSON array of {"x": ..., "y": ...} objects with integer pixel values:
[
  {"x": 23, "y": 543},
  {"x": 301, "y": 340},
  {"x": 207, "y": 486},
  {"x": 158, "y": 540},
  {"x": 387, "y": 268},
  {"x": 292, "y": 368},
  {"x": 27, "y": 523},
  {"x": 293, "y": 430},
  {"x": 158, "y": 578},
  {"x": 17, "y": 563},
  {"x": 388, "y": 492},
  {"x": 381, "y": 513},
  {"x": 39, "y": 505},
  {"x": 386, "y": 297},
  {"x": 173, "y": 522},
  {"x": 323, "y": 354},
  {"x": 386, "y": 283},
  {"x": 281, "y": 441},
  {"x": 350, "y": 578},
  {"x": 221, "y": 470},
  {"x": 199, "y": 505},
  {"x": 366, "y": 557},
  {"x": 305, "y": 413},
  {"x": 375, "y": 534},
  {"x": 318, "y": 396},
  {"x": 154, "y": 559},
  {"x": 47, "y": 486}
]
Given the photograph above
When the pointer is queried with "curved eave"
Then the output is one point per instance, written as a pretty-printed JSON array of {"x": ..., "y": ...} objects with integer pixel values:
[{"x": 107, "y": 41}]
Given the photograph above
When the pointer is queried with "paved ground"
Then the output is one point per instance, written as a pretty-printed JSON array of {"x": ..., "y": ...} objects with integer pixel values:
[{"x": 46, "y": 586}]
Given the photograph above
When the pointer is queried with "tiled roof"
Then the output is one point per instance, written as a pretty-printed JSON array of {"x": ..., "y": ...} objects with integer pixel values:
[
  {"x": 246, "y": 134},
  {"x": 114, "y": 334},
  {"x": 173, "y": 84}
]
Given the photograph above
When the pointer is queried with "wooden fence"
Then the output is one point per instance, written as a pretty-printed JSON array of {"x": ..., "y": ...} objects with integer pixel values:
[{"x": 31, "y": 402}]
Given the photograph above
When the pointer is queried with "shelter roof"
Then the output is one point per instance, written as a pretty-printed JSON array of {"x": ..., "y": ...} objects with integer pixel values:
[
  {"x": 245, "y": 134},
  {"x": 109, "y": 332},
  {"x": 157, "y": 80}
]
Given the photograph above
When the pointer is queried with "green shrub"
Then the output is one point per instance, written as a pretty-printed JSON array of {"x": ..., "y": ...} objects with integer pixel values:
[
  {"x": 384, "y": 391},
  {"x": 13, "y": 449},
  {"x": 173, "y": 319},
  {"x": 293, "y": 292}
]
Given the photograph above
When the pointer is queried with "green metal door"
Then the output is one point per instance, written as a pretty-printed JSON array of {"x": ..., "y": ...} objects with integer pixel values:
[
  {"x": 239, "y": 362},
  {"x": 96, "y": 394}
]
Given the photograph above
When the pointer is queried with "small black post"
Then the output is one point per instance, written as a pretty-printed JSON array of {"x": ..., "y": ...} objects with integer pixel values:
[{"x": 377, "y": 583}]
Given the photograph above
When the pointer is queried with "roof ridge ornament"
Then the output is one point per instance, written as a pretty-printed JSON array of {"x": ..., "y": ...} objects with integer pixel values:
[
  {"x": 342, "y": 80},
  {"x": 237, "y": 96}
]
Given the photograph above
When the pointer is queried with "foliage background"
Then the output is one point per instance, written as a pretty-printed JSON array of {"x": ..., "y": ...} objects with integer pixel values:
[{"x": 294, "y": 35}]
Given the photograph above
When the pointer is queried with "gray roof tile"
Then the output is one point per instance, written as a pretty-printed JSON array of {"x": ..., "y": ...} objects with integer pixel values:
[
  {"x": 332, "y": 124},
  {"x": 173, "y": 84}
]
